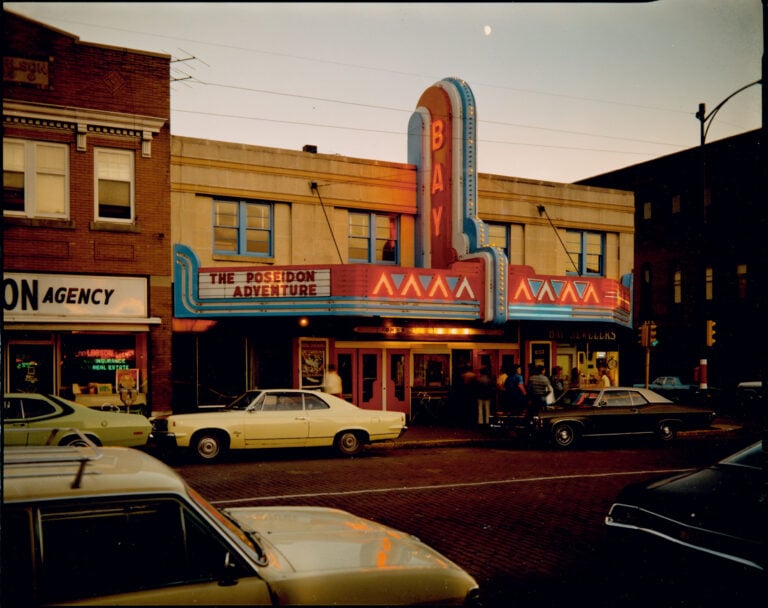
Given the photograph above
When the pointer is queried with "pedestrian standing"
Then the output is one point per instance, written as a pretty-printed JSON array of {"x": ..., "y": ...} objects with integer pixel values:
[
  {"x": 485, "y": 390},
  {"x": 557, "y": 380},
  {"x": 538, "y": 388},
  {"x": 605, "y": 380},
  {"x": 515, "y": 392},
  {"x": 332, "y": 382},
  {"x": 468, "y": 389},
  {"x": 501, "y": 398}
]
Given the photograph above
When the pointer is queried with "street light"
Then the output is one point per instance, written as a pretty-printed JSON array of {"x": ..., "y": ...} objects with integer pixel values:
[
  {"x": 705, "y": 118},
  {"x": 705, "y": 121}
]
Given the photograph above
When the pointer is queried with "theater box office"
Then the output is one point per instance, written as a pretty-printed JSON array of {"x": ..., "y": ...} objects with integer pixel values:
[{"x": 84, "y": 337}]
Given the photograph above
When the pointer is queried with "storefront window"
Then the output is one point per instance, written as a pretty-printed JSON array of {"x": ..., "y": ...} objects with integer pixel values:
[
  {"x": 90, "y": 362},
  {"x": 31, "y": 368},
  {"x": 431, "y": 371}
]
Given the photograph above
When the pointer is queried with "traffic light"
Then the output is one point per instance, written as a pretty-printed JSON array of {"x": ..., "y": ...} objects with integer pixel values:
[
  {"x": 710, "y": 332},
  {"x": 643, "y": 334},
  {"x": 652, "y": 339}
]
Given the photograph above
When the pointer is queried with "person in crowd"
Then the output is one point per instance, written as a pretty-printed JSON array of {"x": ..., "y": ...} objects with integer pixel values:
[
  {"x": 332, "y": 382},
  {"x": 485, "y": 391},
  {"x": 501, "y": 380},
  {"x": 468, "y": 391},
  {"x": 575, "y": 378},
  {"x": 515, "y": 392},
  {"x": 605, "y": 380},
  {"x": 538, "y": 388},
  {"x": 557, "y": 381}
]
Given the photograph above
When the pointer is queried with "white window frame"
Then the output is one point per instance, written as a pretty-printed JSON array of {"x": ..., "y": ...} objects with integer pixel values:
[
  {"x": 32, "y": 173},
  {"x": 129, "y": 155}
]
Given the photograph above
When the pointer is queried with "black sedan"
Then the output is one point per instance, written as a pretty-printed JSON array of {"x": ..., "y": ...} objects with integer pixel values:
[
  {"x": 604, "y": 412},
  {"x": 717, "y": 514}
]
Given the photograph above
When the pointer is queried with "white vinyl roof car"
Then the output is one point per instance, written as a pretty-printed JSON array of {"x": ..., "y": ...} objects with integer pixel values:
[{"x": 277, "y": 418}]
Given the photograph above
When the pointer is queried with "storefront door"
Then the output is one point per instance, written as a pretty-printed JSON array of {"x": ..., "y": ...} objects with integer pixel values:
[
  {"x": 369, "y": 378},
  {"x": 397, "y": 374}
]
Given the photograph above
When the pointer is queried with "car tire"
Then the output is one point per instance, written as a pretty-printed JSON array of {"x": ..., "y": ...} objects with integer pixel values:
[
  {"x": 209, "y": 446},
  {"x": 666, "y": 432},
  {"x": 78, "y": 441},
  {"x": 349, "y": 443},
  {"x": 565, "y": 435}
]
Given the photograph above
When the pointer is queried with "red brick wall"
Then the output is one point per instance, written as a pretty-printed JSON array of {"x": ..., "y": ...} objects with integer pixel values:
[{"x": 107, "y": 79}]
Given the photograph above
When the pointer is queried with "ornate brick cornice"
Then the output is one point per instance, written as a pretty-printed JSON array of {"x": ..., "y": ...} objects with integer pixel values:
[{"x": 84, "y": 120}]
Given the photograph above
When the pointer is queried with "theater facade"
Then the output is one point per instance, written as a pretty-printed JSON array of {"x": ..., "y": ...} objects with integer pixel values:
[{"x": 403, "y": 275}]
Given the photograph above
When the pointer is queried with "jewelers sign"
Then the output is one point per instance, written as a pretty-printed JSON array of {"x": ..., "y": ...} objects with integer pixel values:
[{"x": 269, "y": 283}]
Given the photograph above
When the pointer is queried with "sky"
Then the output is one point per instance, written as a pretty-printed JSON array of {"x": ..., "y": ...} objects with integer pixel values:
[{"x": 563, "y": 91}]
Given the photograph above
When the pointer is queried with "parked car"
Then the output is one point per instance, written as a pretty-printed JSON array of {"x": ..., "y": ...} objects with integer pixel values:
[
  {"x": 115, "y": 526},
  {"x": 39, "y": 419},
  {"x": 717, "y": 514},
  {"x": 749, "y": 395},
  {"x": 667, "y": 383},
  {"x": 277, "y": 418},
  {"x": 601, "y": 412}
]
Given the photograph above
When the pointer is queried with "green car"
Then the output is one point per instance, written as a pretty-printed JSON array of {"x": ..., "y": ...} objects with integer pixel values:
[{"x": 38, "y": 419}]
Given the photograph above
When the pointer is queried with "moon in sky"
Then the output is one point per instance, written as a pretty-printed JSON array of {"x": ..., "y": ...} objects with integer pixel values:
[{"x": 487, "y": 30}]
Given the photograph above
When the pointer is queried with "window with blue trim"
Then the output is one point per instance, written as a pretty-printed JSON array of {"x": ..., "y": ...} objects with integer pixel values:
[
  {"x": 510, "y": 238},
  {"x": 242, "y": 228},
  {"x": 498, "y": 236},
  {"x": 374, "y": 238},
  {"x": 587, "y": 251}
]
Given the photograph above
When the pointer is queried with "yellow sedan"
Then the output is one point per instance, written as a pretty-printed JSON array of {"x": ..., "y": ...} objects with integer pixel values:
[{"x": 277, "y": 418}]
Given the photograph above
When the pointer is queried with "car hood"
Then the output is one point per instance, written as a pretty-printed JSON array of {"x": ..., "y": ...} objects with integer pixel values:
[
  {"x": 309, "y": 539},
  {"x": 729, "y": 499}
]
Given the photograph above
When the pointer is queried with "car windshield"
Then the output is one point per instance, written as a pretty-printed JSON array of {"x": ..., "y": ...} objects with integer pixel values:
[
  {"x": 752, "y": 456},
  {"x": 578, "y": 397},
  {"x": 221, "y": 515},
  {"x": 243, "y": 401}
]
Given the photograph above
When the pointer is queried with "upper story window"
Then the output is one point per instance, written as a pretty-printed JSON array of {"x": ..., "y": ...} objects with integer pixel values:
[
  {"x": 374, "y": 238},
  {"x": 741, "y": 281},
  {"x": 498, "y": 236},
  {"x": 114, "y": 185},
  {"x": 647, "y": 210},
  {"x": 242, "y": 228},
  {"x": 510, "y": 238},
  {"x": 35, "y": 179},
  {"x": 587, "y": 251},
  {"x": 709, "y": 282},
  {"x": 676, "y": 204},
  {"x": 677, "y": 286}
]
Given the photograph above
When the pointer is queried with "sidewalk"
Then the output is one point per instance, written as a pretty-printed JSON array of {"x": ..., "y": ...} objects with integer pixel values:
[{"x": 430, "y": 436}]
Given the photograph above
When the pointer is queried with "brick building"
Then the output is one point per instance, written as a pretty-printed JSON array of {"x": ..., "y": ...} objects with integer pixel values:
[{"x": 86, "y": 218}]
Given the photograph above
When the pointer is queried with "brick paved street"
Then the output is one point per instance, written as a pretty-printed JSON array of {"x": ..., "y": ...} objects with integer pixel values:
[{"x": 526, "y": 523}]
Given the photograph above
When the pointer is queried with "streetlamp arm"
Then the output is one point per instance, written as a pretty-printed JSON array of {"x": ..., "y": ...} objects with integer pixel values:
[{"x": 708, "y": 117}]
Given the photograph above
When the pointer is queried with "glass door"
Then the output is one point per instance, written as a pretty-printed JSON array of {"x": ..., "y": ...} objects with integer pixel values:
[
  {"x": 369, "y": 379},
  {"x": 397, "y": 378}
]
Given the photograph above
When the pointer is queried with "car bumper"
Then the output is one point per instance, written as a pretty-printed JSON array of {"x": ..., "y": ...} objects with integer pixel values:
[
  {"x": 662, "y": 533},
  {"x": 161, "y": 440}
]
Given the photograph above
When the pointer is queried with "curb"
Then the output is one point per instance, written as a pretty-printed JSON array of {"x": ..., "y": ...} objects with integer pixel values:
[{"x": 718, "y": 430}]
